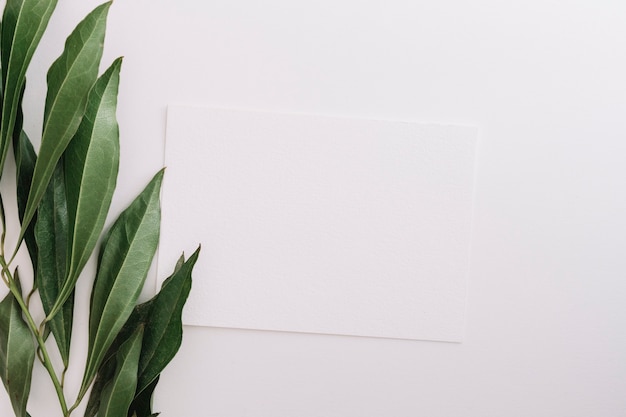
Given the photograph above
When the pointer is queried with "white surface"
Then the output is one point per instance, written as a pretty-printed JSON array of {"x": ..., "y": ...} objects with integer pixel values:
[
  {"x": 319, "y": 224},
  {"x": 545, "y": 82}
]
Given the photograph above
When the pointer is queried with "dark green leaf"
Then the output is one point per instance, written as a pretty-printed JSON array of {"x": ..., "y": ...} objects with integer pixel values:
[
  {"x": 125, "y": 259},
  {"x": 91, "y": 165},
  {"x": 70, "y": 78},
  {"x": 107, "y": 370},
  {"x": 163, "y": 334},
  {"x": 3, "y": 221},
  {"x": 51, "y": 232},
  {"x": 142, "y": 404},
  {"x": 179, "y": 263},
  {"x": 105, "y": 375},
  {"x": 161, "y": 319},
  {"x": 120, "y": 390},
  {"x": 25, "y": 158},
  {"x": 23, "y": 24},
  {"x": 17, "y": 353}
]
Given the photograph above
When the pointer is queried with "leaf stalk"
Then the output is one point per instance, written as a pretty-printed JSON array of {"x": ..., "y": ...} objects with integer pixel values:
[{"x": 46, "y": 362}]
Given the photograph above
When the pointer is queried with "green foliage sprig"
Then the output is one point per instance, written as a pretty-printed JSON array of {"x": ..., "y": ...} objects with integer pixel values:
[{"x": 63, "y": 196}]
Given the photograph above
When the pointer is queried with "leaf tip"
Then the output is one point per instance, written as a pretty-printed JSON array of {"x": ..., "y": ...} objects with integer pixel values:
[{"x": 158, "y": 177}]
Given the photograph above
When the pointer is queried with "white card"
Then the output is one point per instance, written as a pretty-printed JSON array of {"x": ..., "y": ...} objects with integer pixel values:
[{"x": 320, "y": 224}]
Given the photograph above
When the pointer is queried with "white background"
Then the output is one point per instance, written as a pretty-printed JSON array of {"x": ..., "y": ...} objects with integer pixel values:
[
  {"x": 320, "y": 225},
  {"x": 546, "y": 82}
]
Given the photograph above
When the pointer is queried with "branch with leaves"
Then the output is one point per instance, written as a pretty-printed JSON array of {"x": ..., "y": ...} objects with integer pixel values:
[{"x": 64, "y": 191}]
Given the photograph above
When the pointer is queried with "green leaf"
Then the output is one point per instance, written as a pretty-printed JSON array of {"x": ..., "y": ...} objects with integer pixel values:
[
  {"x": 136, "y": 320},
  {"x": 69, "y": 80},
  {"x": 25, "y": 158},
  {"x": 161, "y": 319},
  {"x": 91, "y": 165},
  {"x": 27, "y": 165},
  {"x": 119, "y": 392},
  {"x": 164, "y": 329},
  {"x": 51, "y": 232},
  {"x": 142, "y": 404},
  {"x": 17, "y": 353},
  {"x": 23, "y": 24},
  {"x": 105, "y": 375},
  {"x": 124, "y": 262}
]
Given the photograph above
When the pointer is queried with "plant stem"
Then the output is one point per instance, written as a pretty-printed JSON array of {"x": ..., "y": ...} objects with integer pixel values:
[
  {"x": 30, "y": 294},
  {"x": 47, "y": 363},
  {"x": 81, "y": 394}
]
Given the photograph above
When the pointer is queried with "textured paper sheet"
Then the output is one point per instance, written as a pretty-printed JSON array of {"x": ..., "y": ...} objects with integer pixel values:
[{"x": 320, "y": 224}]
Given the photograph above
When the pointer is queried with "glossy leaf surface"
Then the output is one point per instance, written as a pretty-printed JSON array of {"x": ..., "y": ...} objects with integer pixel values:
[
  {"x": 164, "y": 329},
  {"x": 91, "y": 165},
  {"x": 161, "y": 318},
  {"x": 120, "y": 391},
  {"x": 17, "y": 354},
  {"x": 124, "y": 262},
  {"x": 142, "y": 404},
  {"x": 51, "y": 232},
  {"x": 64, "y": 191},
  {"x": 23, "y": 25},
  {"x": 104, "y": 377},
  {"x": 25, "y": 159},
  {"x": 70, "y": 78}
]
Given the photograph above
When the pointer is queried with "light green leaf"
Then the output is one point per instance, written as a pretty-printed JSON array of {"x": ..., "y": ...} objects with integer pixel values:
[
  {"x": 119, "y": 392},
  {"x": 125, "y": 259},
  {"x": 91, "y": 165},
  {"x": 69, "y": 80},
  {"x": 23, "y": 24},
  {"x": 51, "y": 232},
  {"x": 17, "y": 353}
]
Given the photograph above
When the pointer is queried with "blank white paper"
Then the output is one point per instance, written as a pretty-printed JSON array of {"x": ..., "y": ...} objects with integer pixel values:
[{"x": 320, "y": 224}]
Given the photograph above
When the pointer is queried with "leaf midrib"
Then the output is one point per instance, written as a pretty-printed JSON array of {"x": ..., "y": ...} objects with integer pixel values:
[
  {"x": 12, "y": 317},
  {"x": 60, "y": 317},
  {"x": 80, "y": 207},
  {"x": 9, "y": 334},
  {"x": 116, "y": 281},
  {"x": 37, "y": 191},
  {"x": 10, "y": 69},
  {"x": 54, "y": 103},
  {"x": 18, "y": 24},
  {"x": 162, "y": 334},
  {"x": 122, "y": 368}
]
